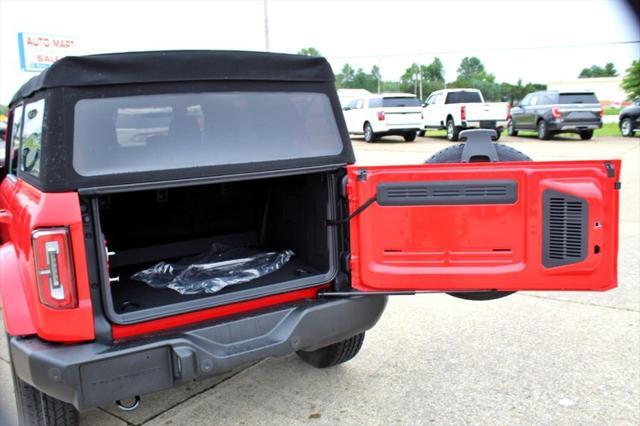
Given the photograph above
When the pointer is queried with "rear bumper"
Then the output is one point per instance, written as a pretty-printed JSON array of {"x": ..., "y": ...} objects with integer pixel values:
[
  {"x": 490, "y": 124},
  {"x": 574, "y": 125},
  {"x": 93, "y": 374},
  {"x": 396, "y": 128}
]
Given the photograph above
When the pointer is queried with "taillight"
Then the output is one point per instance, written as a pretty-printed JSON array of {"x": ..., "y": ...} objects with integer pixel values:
[
  {"x": 380, "y": 115},
  {"x": 508, "y": 111},
  {"x": 555, "y": 112},
  {"x": 54, "y": 268},
  {"x": 463, "y": 112},
  {"x": 601, "y": 112}
]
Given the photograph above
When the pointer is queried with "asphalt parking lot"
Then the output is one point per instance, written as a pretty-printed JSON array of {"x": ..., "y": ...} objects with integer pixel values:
[{"x": 531, "y": 358}]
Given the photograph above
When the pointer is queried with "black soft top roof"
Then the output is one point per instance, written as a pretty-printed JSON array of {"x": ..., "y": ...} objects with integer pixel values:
[{"x": 174, "y": 66}]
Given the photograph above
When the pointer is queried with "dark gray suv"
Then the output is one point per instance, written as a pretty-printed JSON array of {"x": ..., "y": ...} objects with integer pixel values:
[{"x": 551, "y": 112}]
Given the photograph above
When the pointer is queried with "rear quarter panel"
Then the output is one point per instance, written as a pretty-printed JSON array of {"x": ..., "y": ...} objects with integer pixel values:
[{"x": 42, "y": 210}]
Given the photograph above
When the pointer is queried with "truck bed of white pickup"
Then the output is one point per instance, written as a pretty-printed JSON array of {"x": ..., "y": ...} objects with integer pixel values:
[{"x": 459, "y": 109}]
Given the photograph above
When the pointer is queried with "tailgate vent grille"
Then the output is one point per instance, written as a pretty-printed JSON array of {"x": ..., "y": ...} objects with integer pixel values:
[
  {"x": 447, "y": 193},
  {"x": 565, "y": 229}
]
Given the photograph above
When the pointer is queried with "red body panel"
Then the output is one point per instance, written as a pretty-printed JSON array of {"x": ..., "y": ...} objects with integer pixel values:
[
  {"x": 32, "y": 209},
  {"x": 484, "y": 246},
  {"x": 125, "y": 331}
]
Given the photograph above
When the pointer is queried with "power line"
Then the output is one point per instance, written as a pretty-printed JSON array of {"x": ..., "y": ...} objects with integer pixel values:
[{"x": 504, "y": 49}]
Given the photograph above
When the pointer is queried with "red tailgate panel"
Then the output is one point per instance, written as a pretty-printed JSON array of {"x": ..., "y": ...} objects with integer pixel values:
[{"x": 485, "y": 226}]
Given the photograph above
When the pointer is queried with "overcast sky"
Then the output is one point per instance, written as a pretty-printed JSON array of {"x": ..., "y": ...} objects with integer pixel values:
[{"x": 392, "y": 34}]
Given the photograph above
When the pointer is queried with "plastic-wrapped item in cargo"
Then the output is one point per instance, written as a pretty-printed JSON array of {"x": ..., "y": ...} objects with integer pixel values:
[{"x": 213, "y": 270}]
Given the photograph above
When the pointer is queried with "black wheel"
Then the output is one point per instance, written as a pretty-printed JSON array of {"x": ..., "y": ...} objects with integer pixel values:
[
  {"x": 511, "y": 129},
  {"x": 585, "y": 135},
  {"x": 39, "y": 409},
  {"x": 335, "y": 354},
  {"x": 369, "y": 136},
  {"x": 498, "y": 134},
  {"x": 626, "y": 127},
  {"x": 543, "y": 131},
  {"x": 453, "y": 154},
  {"x": 409, "y": 136},
  {"x": 453, "y": 132},
  {"x": 421, "y": 133}
]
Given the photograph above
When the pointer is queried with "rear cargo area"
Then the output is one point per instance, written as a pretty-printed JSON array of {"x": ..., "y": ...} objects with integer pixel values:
[{"x": 252, "y": 217}]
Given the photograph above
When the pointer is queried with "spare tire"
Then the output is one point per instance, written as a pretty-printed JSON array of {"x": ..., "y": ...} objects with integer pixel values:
[{"x": 453, "y": 154}]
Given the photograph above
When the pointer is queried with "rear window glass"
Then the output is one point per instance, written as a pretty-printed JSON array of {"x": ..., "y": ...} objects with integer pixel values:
[
  {"x": 463, "y": 98},
  {"x": 30, "y": 150},
  {"x": 578, "y": 98},
  {"x": 171, "y": 131},
  {"x": 400, "y": 102},
  {"x": 375, "y": 103}
]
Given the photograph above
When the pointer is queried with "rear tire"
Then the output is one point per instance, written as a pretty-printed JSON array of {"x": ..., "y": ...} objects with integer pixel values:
[
  {"x": 511, "y": 129},
  {"x": 421, "y": 133},
  {"x": 498, "y": 134},
  {"x": 453, "y": 154},
  {"x": 335, "y": 354},
  {"x": 409, "y": 136},
  {"x": 626, "y": 127},
  {"x": 369, "y": 135},
  {"x": 453, "y": 132},
  {"x": 39, "y": 409},
  {"x": 585, "y": 135},
  {"x": 543, "y": 131}
]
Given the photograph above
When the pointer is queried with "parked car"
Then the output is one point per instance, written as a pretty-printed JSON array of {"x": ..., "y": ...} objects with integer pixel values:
[
  {"x": 552, "y": 112},
  {"x": 629, "y": 119},
  {"x": 384, "y": 114},
  {"x": 459, "y": 109},
  {"x": 240, "y": 228}
]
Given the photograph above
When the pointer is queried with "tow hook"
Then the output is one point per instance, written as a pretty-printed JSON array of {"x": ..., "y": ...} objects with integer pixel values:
[{"x": 129, "y": 404}]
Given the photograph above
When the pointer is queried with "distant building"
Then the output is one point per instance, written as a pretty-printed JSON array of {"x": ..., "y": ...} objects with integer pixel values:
[
  {"x": 347, "y": 95},
  {"x": 607, "y": 89}
]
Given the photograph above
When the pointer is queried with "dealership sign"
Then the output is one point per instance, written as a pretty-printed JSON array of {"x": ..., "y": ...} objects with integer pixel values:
[{"x": 39, "y": 51}]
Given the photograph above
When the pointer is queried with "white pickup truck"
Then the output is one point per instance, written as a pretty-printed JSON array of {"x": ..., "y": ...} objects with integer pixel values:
[{"x": 460, "y": 109}]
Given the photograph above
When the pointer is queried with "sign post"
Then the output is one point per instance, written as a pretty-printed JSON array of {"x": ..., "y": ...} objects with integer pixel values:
[{"x": 39, "y": 51}]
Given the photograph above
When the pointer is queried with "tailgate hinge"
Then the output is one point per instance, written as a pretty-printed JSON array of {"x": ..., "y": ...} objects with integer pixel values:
[{"x": 611, "y": 171}]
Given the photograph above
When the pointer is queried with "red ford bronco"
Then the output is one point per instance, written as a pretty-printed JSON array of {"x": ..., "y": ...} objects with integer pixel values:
[{"x": 173, "y": 215}]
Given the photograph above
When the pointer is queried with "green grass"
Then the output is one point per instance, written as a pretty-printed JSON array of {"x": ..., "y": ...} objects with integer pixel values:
[
  {"x": 436, "y": 133},
  {"x": 608, "y": 129},
  {"x": 612, "y": 111}
]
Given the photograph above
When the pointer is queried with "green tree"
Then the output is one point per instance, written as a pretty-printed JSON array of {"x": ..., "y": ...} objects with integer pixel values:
[
  {"x": 309, "y": 51},
  {"x": 377, "y": 76},
  {"x": 349, "y": 78},
  {"x": 3, "y": 109},
  {"x": 609, "y": 70},
  {"x": 344, "y": 79},
  {"x": 409, "y": 80},
  {"x": 471, "y": 68},
  {"x": 429, "y": 77},
  {"x": 631, "y": 81},
  {"x": 433, "y": 72}
]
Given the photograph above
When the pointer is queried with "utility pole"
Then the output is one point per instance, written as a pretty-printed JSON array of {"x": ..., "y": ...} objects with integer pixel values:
[{"x": 266, "y": 27}]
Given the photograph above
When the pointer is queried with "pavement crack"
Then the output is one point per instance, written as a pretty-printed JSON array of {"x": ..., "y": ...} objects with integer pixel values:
[
  {"x": 580, "y": 303},
  {"x": 5, "y": 360}
]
